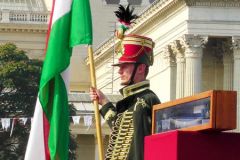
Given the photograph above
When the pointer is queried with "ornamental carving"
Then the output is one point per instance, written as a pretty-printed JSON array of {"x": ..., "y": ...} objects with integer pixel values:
[
  {"x": 167, "y": 54},
  {"x": 177, "y": 48},
  {"x": 193, "y": 44},
  {"x": 178, "y": 51},
  {"x": 236, "y": 47},
  {"x": 236, "y": 42},
  {"x": 190, "y": 40}
]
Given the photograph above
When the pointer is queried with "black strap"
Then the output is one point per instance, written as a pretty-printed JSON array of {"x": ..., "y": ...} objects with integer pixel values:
[{"x": 133, "y": 73}]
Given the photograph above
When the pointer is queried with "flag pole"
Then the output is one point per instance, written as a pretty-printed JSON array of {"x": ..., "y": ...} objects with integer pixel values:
[{"x": 95, "y": 102}]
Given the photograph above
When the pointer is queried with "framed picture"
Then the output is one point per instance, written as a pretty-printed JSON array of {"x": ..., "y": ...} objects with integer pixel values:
[{"x": 211, "y": 110}]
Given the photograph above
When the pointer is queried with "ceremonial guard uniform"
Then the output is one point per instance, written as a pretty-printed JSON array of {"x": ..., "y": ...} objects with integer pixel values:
[{"x": 130, "y": 119}]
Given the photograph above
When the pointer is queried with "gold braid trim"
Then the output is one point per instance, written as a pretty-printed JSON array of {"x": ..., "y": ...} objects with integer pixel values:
[
  {"x": 135, "y": 88},
  {"x": 109, "y": 115},
  {"x": 113, "y": 137},
  {"x": 140, "y": 43},
  {"x": 124, "y": 137}
]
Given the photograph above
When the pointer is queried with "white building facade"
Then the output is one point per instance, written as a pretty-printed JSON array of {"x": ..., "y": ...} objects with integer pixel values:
[{"x": 197, "y": 48}]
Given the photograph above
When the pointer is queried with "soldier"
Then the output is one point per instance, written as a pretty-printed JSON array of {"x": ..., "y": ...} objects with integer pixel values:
[{"x": 130, "y": 119}]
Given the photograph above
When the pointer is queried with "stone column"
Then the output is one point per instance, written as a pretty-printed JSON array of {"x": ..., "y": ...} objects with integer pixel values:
[
  {"x": 178, "y": 51},
  {"x": 169, "y": 63},
  {"x": 227, "y": 66},
  {"x": 236, "y": 75},
  {"x": 193, "y": 52}
]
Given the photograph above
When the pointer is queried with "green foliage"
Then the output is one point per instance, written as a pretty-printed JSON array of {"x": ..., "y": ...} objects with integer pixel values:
[
  {"x": 72, "y": 142},
  {"x": 19, "y": 79},
  {"x": 13, "y": 148}
]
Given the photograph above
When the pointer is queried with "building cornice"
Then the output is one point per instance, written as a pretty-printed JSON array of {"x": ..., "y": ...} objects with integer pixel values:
[
  {"x": 23, "y": 28},
  {"x": 213, "y": 3},
  {"x": 159, "y": 7}
]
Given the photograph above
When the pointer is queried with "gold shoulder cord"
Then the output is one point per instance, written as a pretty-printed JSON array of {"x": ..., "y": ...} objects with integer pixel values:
[{"x": 141, "y": 102}]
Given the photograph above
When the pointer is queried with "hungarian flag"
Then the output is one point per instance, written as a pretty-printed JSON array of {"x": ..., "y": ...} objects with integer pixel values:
[{"x": 71, "y": 25}]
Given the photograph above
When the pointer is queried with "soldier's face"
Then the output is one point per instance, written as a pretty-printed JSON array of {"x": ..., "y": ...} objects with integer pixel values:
[{"x": 125, "y": 72}]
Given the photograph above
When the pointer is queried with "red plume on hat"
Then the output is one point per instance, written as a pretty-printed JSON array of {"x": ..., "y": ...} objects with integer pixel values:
[{"x": 134, "y": 48}]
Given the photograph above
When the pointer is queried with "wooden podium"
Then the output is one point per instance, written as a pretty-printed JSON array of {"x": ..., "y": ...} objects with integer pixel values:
[{"x": 192, "y": 145}]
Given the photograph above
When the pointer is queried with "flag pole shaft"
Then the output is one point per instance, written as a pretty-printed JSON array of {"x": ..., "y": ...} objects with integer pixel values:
[{"x": 95, "y": 102}]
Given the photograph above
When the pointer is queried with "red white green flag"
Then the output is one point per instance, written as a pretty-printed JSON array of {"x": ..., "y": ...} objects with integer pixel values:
[{"x": 49, "y": 135}]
